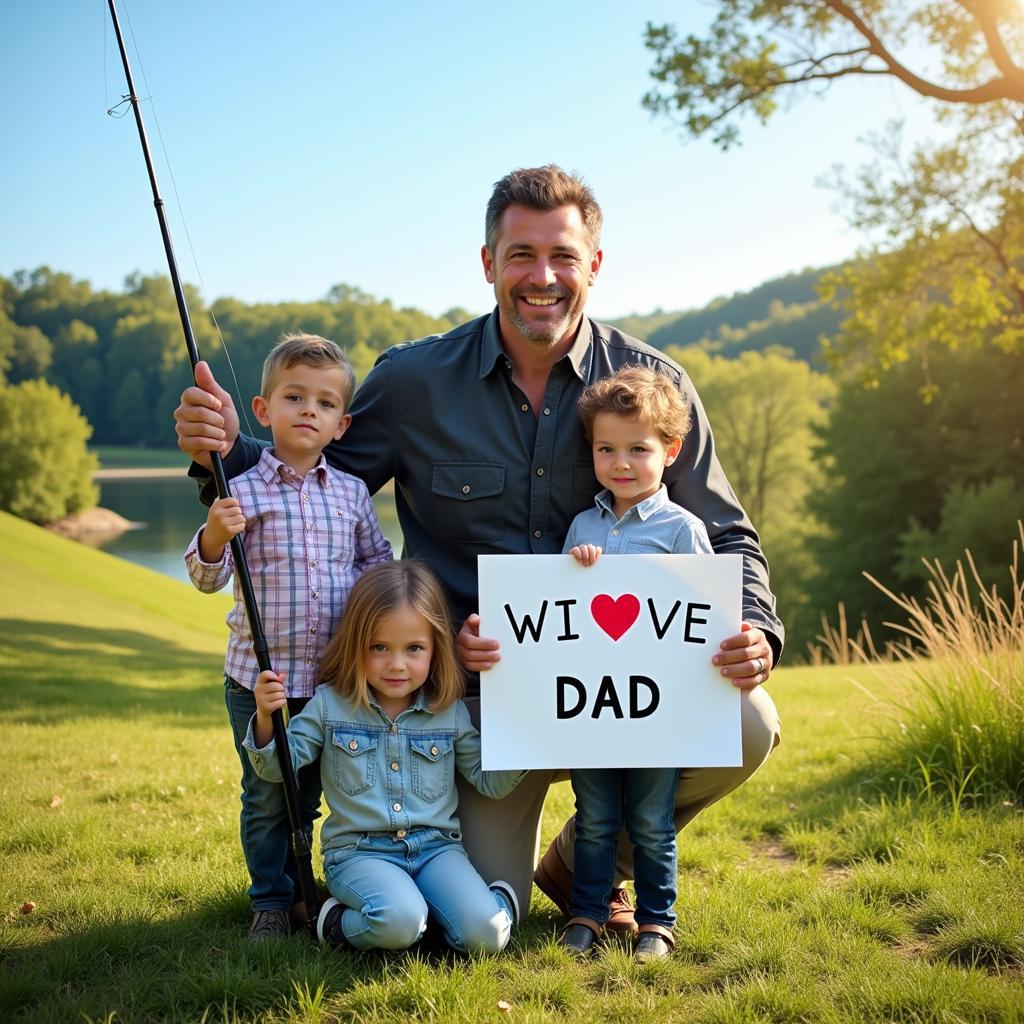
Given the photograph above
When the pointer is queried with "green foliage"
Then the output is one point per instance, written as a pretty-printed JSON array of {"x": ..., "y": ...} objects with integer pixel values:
[
  {"x": 756, "y": 53},
  {"x": 910, "y": 463},
  {"x": 122, "y": 357},
  {"x": 949, "y": 267},
  {"x": 978, "y": 517},
  {"x": 764, "y": 409},
  {"x": 952, "y": 221},
  {"x": 45, "y": 469}
]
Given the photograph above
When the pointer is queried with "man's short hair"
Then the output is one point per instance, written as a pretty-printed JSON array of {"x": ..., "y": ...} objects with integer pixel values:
[
  {"x": 311, "y": 350},
  {"x": 638, "y": 393},
  {"x": 543, "y": 188}
]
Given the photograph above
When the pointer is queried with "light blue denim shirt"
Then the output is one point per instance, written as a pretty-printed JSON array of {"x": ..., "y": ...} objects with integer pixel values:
[
  {"x": 655, "y": 526},
  {"x": 381, "y": 776}
]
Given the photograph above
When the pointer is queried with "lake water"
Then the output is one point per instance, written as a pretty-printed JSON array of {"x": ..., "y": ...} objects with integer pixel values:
[{"x": 171, "y": 513}]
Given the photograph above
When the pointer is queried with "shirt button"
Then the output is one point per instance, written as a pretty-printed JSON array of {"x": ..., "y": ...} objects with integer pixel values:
[
  {"x": 312, "y": 630},
  {"x": 305, "y": 497},
  {"x": 353, "y": 745},
  {"x": 540, "y": 472},
  {"x": 538, "y": 533},
  {"x": 508, "y": 364},
  {"x": 615, "y": 533},
  {"x": 314, "y": 595},
  {"x": 312, "y": 564},
  {"x": 394, "y": 766},
  {"x": 396, "y": 806},
  {"x": 465, "y": 488},
  {"x": 524, "y": 407},
  {"x": 547, "y": 412},
  {"x": 433, "y": 750},
  {"x": 394, "y": 729}
]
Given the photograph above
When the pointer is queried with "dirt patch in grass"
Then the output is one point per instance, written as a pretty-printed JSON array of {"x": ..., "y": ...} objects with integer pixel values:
[{"x": 771, "y": 851}]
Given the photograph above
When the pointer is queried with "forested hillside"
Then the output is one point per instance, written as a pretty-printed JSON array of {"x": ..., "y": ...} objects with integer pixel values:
[{"x": 786, "y": 311}]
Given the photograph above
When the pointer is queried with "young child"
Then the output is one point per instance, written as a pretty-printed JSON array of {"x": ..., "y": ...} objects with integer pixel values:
[
  {"x": 636, "y": 421},
  {"x": 310, "y": 532},
  {"x": 390, "y": 731}
]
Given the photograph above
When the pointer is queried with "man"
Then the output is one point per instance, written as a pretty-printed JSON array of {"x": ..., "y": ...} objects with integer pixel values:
[{"x": 478, "y": 428}]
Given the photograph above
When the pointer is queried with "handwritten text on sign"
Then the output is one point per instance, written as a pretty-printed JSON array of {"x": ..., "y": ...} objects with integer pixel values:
[{"x": 609, "y": 666}]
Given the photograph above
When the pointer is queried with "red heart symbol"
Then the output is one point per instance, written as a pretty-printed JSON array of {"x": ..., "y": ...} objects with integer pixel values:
[{"x": 615, "y": 615}]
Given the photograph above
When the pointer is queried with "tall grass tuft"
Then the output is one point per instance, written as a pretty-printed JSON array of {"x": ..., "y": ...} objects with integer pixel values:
[{"x": 961, "y": 735}]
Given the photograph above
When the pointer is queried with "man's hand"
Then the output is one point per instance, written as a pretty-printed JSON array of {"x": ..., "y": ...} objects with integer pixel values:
[
  {"x": 745, "y": 658},
  {"x": 206, "y": 421},
  {"x": 225, "y": 520},
  {"x": 476, "y": 653},
  {"x": 585, "y": 554}
]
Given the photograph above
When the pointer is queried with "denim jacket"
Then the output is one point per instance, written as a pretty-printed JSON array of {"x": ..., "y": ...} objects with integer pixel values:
[{"x": 381, "y": 776}]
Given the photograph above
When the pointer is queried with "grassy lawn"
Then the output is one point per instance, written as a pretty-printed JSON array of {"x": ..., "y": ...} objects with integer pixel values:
[{"x": 808, "y": 895}]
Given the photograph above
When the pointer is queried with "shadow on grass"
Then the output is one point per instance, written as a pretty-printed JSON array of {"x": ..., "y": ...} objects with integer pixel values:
[
  {"x": 64, "y": 671},
  {"x": 200, "y": 966}
]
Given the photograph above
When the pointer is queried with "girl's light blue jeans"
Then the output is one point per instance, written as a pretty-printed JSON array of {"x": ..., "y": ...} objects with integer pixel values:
[{"x": 391, "y": 884}]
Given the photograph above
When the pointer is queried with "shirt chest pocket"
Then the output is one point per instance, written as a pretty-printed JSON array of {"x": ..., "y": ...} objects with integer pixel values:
[
  {"x": 469, "y": 501},
  {"x": 355, "y": 760},
  {"x": 433, "y": 766},
  {"x": 646, "y": 546}
]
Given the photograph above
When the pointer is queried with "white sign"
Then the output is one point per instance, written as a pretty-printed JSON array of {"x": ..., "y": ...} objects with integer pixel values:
[{"x": 609, "y": 666}]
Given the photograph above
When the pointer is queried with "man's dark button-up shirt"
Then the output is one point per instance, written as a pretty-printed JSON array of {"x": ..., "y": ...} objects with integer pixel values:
[{"x": 477, "y": 472}]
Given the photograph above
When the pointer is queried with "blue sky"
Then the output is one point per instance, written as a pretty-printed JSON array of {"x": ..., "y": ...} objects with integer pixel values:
[{"x": 324, "y": 142}]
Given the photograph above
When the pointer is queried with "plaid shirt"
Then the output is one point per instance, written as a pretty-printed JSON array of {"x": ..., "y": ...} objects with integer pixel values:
[{"x": 307, "y": 540}]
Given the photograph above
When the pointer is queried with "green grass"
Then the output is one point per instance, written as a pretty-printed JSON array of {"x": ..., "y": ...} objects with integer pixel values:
[
  {"x": 807, "y": 895},
  {"x": 131, "y": 457}
]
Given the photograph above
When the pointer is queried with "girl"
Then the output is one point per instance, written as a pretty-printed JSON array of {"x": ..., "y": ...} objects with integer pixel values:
[{"x": 391, "y": 731}]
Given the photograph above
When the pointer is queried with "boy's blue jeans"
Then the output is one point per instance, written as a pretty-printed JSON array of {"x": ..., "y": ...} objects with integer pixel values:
[
  {"x": 265, "y": 830},
  {"x": 390, "y": 884},
  {"x": 645, "y": 798}
]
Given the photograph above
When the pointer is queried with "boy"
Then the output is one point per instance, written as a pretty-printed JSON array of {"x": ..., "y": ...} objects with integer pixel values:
[
  {"x": 636, "y": 421},
  {"x": 310, "y": 533}
]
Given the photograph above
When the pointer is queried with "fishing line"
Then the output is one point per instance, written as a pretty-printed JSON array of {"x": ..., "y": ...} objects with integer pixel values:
[{"x": 126, "y": 103}]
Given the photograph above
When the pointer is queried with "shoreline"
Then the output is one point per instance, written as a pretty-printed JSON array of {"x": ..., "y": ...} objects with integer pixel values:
[{"x": 140, "y": 473}]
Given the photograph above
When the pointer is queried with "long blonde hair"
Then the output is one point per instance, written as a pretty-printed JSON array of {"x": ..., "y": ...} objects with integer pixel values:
[{"x": 380, "y": 591}]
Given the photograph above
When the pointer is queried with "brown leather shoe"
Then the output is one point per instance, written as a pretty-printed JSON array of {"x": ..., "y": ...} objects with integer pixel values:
[
  {"x": 554, "y": 879},
  {"x": 620, "y": 914}
]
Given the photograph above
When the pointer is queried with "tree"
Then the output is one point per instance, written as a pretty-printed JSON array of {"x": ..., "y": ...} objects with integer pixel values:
[
  {"x": 45, "y": 469},
  {"x": 757, "y": 51},
  {"x": 908, "y": 480},
  {"x": 948, "y": 265}
]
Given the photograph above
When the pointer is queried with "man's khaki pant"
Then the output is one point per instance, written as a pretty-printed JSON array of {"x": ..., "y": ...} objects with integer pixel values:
[{"x": 502, "y": 837}]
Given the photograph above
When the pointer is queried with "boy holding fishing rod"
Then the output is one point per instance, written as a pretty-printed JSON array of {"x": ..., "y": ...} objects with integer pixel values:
[{"x": 310, "y": 532}]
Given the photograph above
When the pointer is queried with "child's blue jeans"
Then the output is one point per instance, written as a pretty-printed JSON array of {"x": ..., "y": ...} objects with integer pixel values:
[
  {"x": 645, "y": 799},
  {"x": 264, "y": 826},
  {"x": 390, "y": 884}
]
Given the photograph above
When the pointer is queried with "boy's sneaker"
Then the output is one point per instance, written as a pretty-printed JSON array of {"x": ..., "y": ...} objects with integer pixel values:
[
  {"x": 328, "y": 924},
  {"x": 507, "y": 895},
  {"x": 269, "y": 924}
]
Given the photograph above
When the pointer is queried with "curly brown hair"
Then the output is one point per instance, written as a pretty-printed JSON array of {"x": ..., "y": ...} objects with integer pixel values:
[{"x": 638, "y": 394}]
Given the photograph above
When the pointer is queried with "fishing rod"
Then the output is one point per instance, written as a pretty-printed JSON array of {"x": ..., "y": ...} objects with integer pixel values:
[{"x": 300, "y": 844}]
